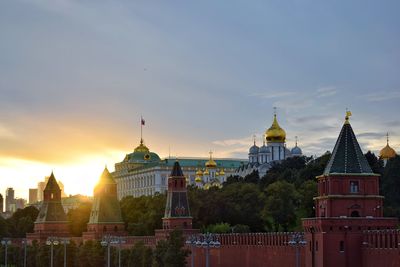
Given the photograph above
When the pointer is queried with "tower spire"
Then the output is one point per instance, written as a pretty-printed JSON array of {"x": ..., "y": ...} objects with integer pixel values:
[
  {"x": 296, "y": 138},
  {"x": 348, "y": 115},
  {"x": 387, "y": 138}
]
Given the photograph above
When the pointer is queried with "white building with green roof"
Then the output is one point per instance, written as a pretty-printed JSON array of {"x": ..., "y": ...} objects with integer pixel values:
[{"x": 143, "y": 172}]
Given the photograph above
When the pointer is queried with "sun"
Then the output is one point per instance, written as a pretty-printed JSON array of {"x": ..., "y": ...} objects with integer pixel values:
[{"x": 78, "y": 176}]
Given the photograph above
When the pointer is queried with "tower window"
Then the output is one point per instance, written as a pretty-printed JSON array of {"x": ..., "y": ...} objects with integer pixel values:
[
  {"x": 353, "y": 186},
  {"x": 341, "y": 246}
]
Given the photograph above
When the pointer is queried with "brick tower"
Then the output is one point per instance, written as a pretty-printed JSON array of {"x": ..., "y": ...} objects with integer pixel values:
[
  {"x": 51, "y": 220},
  {"x": 105, "y": 216},
  {"x": 177, "y": 213},
  {"x": 347, "y": 204}
]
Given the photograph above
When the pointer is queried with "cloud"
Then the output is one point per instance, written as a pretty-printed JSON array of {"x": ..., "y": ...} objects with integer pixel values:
[
  {"x": 326, "y": 91},
  {"x": 245, "y": 141},
  {"x": 269, "y": 95},
  {"x": 382, "y": 96}
]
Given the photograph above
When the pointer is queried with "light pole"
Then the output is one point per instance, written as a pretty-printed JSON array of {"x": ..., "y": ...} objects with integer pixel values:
[
  {"x": 106, "y": 243},
  {"x": 52, "y": 241},
  {"x": 208, "y": 241},
  {"x": 65, "y": 242},
  {"x": 192, "y": 241},
  {"x": 24, "y": 242},
  {"x": 118, "y": 240},
  {"x": 5, "y": 242},
  {"x": 297, "y": 241}
]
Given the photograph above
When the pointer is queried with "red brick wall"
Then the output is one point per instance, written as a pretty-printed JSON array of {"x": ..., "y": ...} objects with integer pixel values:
[
  {"x": 381, "y": 248},
  {"x": 247, "y": 250}
]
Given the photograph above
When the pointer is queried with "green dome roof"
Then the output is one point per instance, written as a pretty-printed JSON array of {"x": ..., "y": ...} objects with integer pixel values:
[{"x": 141, "y": 155}]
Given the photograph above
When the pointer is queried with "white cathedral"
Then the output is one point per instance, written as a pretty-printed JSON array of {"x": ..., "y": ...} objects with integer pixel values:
[{"x": 273, "y": 150}]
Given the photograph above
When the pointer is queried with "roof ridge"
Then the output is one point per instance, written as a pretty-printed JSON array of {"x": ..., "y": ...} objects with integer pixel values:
[{"x": 347, "y": 156}]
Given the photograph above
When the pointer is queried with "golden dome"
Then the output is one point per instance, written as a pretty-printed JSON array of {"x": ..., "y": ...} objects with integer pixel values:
[
  {"x": 211, "y": 163},
  {"x": 217, "y": 174},
  {"x": 206, "y": 172},
  {"x": 198, "y": 179},
  {"x": 142, "y": 147},
  {"x": 222, "y": 173},
  {"x": 275, "y": 133},
  {"x": 199, "y": 173},
  {"x": 387, "y": 152}
]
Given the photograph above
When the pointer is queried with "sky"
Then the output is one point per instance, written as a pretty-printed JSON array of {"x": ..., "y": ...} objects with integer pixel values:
[{"x": 76, "y": 76}]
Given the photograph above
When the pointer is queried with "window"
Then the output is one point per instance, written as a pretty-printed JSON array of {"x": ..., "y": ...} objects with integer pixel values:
[
  {"x": 355, "y": 213},
  {"x": 353, "y": 186},
  {"x": 341, "y": 246}
]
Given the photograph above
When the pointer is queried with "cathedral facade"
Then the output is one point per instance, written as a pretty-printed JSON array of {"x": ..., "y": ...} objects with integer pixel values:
[{"x": 273, "y": 150}]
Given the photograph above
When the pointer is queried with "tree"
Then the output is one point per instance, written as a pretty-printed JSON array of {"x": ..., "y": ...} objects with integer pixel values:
[
  {"x": 78, "y": 218},
  {"x": 390, "y": 181},
  {"x": 308, "y": 190},
  {"x": 280, "y": 205},
  {"x": 375, "y": 163},
  {"x": 176, "y": 254},
  {"x": 22, "y": 221},
  {"x": 220, "y": 228},
  {"x": 144, "y": 214}
]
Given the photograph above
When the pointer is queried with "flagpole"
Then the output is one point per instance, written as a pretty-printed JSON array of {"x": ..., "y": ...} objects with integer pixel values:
[{"x": 141, "y": 129}]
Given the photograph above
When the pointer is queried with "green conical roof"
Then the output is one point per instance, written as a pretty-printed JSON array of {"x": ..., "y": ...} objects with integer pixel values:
[
  {"x": 176, "y": 170},
  {"x": 52, "y": 183},
  {"x": 347, "y": 156},
  {"x": 51, "y": 210},
  {"x": 106, "y": 177},
  {"x": 106, "y": 207}
]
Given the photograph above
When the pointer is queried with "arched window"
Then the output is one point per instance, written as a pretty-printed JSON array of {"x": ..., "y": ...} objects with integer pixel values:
[{"x": 355, "y": 213}]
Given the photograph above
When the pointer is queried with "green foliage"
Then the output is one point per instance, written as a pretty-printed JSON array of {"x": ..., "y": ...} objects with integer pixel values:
[
  {"x": 375, "y": 163},
  {"x": 280, "y": 206},
  {"x": 21, "y": 222},
  {"x": 171, "y": 252},
  {"x": 390, "y": 181},
  {"x": 140, "y": 256},
  {"x": 78, "y": 218},
  {"x": 220, "y": 228},
  {"x": 143, "y": 215}
]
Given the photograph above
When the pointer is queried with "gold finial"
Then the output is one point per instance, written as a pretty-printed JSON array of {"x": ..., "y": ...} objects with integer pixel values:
[
  {"x": 348, "y": 114},
  {"x": 254, "y": 139},
  {"x": 275, "y": 111},
  {"x": 296, "y": 138},
  {"x": 387, "y": 138},
  {"x": 211, "y": 163}
]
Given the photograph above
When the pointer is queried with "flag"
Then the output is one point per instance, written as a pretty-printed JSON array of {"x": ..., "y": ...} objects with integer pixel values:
[{"x": 142, "y": 121}]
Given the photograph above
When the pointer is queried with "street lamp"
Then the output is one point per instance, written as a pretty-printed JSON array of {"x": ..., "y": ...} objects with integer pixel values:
[
  {"x": 192, "y": 241},
  {"x": 208, "y": 241},
  {"x": 52, "y": 241},
  {"x": 118, "y": 240},
  {"x": 106, "y": 243},
  {"x": 24, "y": 242},
  {"x": 5, "y": 242},
  {"x": 297, "y": 241},
  {"x": 65, "y": 242}
]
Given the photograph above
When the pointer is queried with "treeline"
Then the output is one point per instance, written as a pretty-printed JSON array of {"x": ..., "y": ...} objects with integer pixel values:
[
  {"x": 275, "y": 202},
  {"x": 167, "y": 253}
]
